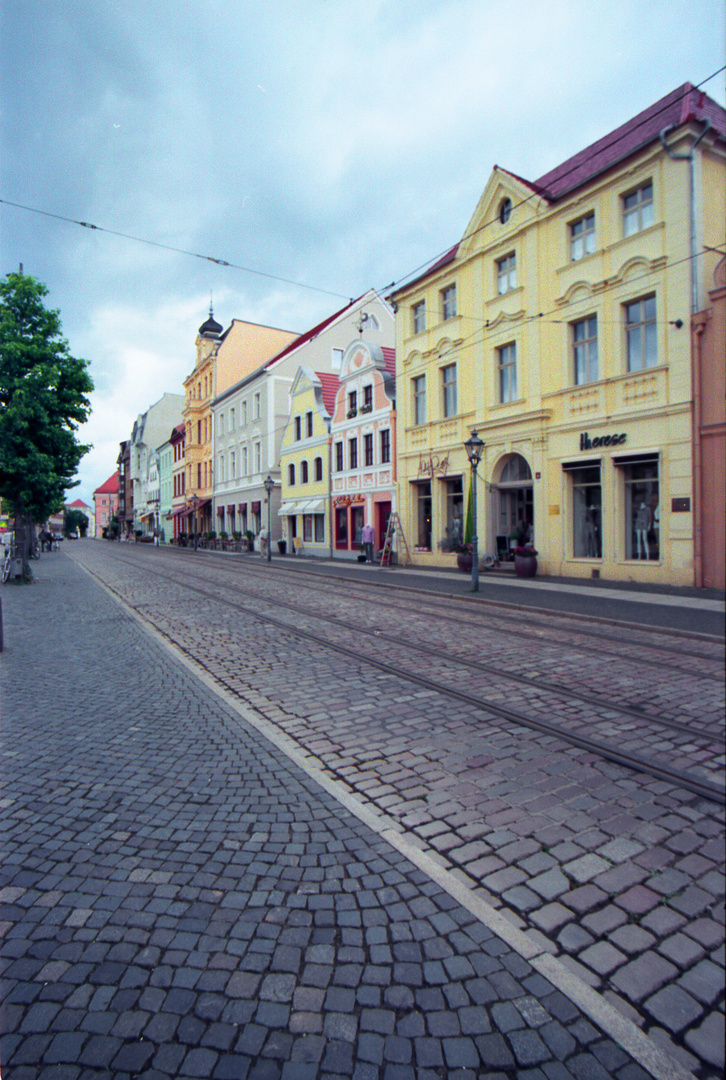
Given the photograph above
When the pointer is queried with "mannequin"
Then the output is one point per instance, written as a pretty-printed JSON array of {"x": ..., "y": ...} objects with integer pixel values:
[{"x": 642, "y": 525}]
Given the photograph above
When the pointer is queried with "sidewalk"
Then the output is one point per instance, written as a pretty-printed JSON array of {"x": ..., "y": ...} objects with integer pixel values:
[{"x": 182, "y": 900}]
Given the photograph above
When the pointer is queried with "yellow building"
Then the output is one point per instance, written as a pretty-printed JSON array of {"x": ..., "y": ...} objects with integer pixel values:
[
  {"x": 222, "y": 359},
  {"x": 558, "y": 329},
  {"x": 305, "y": 463}
]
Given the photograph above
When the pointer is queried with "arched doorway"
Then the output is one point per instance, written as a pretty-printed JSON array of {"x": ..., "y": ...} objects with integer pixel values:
[{"x": 514, "y": 495}]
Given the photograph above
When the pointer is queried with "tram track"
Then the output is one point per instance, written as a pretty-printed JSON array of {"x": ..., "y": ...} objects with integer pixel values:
[
  {"x": 686, "y": 779},
  {"x": 539, "y": 622}
]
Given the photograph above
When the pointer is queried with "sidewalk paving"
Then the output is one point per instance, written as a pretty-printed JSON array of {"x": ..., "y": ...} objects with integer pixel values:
[{"x": 180, "y": 900}]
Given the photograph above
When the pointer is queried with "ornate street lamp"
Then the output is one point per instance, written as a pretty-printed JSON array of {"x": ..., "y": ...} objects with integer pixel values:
[
  {"x": 269, "y": 487},
  {"x": 474, "y": 449}
]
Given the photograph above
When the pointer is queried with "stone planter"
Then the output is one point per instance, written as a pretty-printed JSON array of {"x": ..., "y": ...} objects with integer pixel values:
[
  {"x": 525, "y": 565},
  {"x": 465, "y": 561}
]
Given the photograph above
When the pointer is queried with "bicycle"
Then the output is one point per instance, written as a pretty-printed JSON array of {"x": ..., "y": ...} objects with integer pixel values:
[{"x": 34, "y": 552}]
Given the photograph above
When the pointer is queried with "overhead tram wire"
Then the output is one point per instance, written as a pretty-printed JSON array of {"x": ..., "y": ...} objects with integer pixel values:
[
  {"x": 430, "y": 263},
  {"x": 170, "y": 247}
]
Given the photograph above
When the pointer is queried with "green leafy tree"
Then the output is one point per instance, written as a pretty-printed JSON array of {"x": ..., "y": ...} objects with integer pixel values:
[
  {"x": 43, "y": 399},
  {"x": 75, "y": 521}
]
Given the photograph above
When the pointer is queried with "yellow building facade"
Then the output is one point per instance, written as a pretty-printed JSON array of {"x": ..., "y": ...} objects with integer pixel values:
[
  {"x": 558, "y": 329},
  {"x": 222, "y": 359}
]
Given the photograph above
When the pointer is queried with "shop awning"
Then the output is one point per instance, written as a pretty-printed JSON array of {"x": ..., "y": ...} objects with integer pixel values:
[
  {"x": 287, "y": 508},
  {"x": 230, "y": 508},
  {"x": 315, "y": 506},
  {"x": 179, "y": 511},
  {"x": 220, "y": 511},
  {"x": 242, "y": 508},
  {"x": 256, "y": 507}
]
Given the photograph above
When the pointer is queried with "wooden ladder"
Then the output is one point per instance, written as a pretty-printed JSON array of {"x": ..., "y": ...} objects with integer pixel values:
[{"x": 394, "y": 527}]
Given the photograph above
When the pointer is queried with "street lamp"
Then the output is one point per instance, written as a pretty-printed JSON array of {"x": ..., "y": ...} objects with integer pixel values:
[
  {"x": 474, "y": 449},
  {"x": 269, "y": 486},
  {"x": 195, "y": 503}
]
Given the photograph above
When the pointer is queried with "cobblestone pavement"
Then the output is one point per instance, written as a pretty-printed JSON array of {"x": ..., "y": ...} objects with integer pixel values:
[{"x": 180, "y": 900}]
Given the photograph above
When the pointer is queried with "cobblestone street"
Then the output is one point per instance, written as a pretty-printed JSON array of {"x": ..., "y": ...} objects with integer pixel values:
[{"x": 406, "y": 893}]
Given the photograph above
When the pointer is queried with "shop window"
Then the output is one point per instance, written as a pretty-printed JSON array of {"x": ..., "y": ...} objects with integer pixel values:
[
  {"x": 423, "y": 516},
  {"x": 586, "y": 513},
  {"x": 585, "y": 353},
  {"x": 319, "y": 528},
  {"x": 308, "y": 528},
  {"x": 341, "y": 527},
  {"x": 642, "y": 509},
  {"x": 357, "y": 523},
  {"x": 454, "y": 535}
]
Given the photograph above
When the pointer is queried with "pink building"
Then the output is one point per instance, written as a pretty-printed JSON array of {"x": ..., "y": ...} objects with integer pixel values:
[
  {"x": 105, "y": 502},
  {"x": 363, "y": 435}
]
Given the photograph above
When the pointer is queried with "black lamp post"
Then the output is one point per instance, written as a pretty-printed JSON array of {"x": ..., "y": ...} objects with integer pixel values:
[
  {"x": 474, "y": 449},
  {"x": 269, "y": 487}
]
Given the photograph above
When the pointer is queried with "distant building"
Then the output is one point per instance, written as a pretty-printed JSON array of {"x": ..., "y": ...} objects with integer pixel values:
[
  {"x": 106, "y": 505},
  {"x": 85, "y": 509}
]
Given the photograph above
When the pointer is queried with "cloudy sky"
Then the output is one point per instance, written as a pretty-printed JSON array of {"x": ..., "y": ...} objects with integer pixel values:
[{"x": 338, "y": 144}]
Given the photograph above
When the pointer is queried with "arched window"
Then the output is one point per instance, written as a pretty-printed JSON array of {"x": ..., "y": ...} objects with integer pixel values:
[
  {"x": 291, "y": 475},
  {"x": 516, "y": 470},
  {"x": 304, "y": 472},
  {"x": 318, "y": 468},
  {"x": 505, "y": 210}
]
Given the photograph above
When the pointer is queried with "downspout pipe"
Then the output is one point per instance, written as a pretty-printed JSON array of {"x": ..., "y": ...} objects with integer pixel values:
[
  {"x": 698, "y": 325},
  {"x": 691, "y": 157}
]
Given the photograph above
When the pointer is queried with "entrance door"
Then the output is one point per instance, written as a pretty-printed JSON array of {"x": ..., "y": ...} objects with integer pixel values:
[
  {"x": 516, "y": 498},
  {"x": 383, "y": 510}
]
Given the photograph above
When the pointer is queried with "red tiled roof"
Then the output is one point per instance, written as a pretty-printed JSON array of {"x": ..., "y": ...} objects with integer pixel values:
[
  {"x": 443, "y": 260},
  {"x": 681, "y": 105},
  {"x": 78, "y": 502},
  {"x": 110, "y": 487},
  {"x": 389, "y": 355},
  {"x": 330, "y": 384}
]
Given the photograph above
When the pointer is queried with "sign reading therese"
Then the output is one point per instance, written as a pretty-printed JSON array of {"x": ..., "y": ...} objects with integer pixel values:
[{"x": 433, "y": 465}]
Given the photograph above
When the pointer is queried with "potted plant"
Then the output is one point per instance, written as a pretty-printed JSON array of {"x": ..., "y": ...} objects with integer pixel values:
[
  {"x": 250, "y": 540},
  {"x": 282, "y": 546},
  {"x": 465, "y": 558},
  {"x": 525, "y": 561}
]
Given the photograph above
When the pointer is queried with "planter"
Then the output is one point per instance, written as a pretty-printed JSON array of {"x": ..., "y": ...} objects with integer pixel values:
[
  {"x": 282, "y": 546},
  {"x": 465, "y": 561},
  {"x": 525, "y": 565}
]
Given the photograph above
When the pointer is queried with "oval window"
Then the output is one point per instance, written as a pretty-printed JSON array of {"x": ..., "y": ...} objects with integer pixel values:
[{"x": 505, "y": 210}]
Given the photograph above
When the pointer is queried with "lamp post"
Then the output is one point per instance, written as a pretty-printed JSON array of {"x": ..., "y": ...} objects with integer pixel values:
[
  {"x": 269, "y": 487},
  {"x": 474, "y": 449},
  {"x": 195, "y": 504}
]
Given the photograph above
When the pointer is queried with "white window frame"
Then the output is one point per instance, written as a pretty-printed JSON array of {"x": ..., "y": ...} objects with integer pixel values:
[
  {"x": 449, "y": 402},
  {"x": 507, "y": 273},
  {"x": 582, "y": 236},
  {"x": 418, "y": 387},
  {"x": 507, "y": 371},
  {"x": 585, "y": 354},
  {"x": 641, "y": 333},
  {"x": 638, "y": 209},
  {"x": 418, "y": 316},
  {"x": 448, "y": 302}
]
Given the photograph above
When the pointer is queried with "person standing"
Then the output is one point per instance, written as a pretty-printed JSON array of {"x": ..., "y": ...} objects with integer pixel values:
[{"x": 367, "y": 537}]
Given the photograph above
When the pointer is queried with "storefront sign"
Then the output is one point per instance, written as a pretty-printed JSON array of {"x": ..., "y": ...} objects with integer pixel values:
[
  {"x": 433, "y": 465},
  {"x": 348, "y": 500},
  {"x": 586, "y": 443}
]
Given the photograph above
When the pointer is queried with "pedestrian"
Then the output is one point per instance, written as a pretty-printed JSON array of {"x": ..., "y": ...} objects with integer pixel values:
[
  {"x": 367, "y": 537},
  {"x": 264, "y": 539}
]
